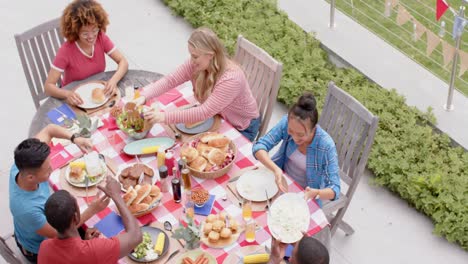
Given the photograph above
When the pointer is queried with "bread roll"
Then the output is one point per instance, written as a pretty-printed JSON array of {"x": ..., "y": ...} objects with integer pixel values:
[
  {"x": 77, "y": 174},
  {"x": 98, "y": 96},
  {"x": 219, "y": 142},
  {"x": 135, "y": 208},
  {"x": 211, "y": 218},
  {"x": 213, "y": 236},
  {"x": 234, "y": 225},
  {"x": 216, "y": 157},
  {"x": 199, "y": 163},
  {"x": 203, "y": 149},
  {"x": 130, "y": 196},
  {"x": 218, "y": 225},
  {"x": 192, "y": 125},
  {"x": 155, "y": 191},
  {"x": 147, "y": 200},
  {"x": 211, "y": 136},
  {"x": 225, "y": 233},
  {"x": 207, "y": 228},
  {"x": 189, "y": 153},
  {"x": 142, "y": 192}
]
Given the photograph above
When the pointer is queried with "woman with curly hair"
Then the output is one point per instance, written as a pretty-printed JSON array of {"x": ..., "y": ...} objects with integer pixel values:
[
  {"x": 83, "y": 24},
  {"x": 218, "y": 84}
]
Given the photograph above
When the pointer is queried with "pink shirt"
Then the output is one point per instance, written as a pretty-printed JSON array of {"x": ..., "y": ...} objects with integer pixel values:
[
  {"x": 76, "y": 65},
  {"x": 75, "y": 250},
  {"x": 231, "y": 97}
]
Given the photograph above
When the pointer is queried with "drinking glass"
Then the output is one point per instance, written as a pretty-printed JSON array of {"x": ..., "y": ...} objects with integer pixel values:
[
  {"x": 250, "y": 231},
  {"x": 247, "y": 210}
]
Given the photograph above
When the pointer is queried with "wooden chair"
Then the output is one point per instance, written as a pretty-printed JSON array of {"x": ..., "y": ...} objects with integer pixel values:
[
  {"x": 263, "y": 73},
  {"x": 37, "y": 48},
  {"x": 353, "y": 128},
  {"x": 11, "y": 253}
]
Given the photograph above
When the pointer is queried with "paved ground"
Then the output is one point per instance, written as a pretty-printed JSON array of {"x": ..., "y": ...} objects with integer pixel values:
[{"x": 387, "y": 230}]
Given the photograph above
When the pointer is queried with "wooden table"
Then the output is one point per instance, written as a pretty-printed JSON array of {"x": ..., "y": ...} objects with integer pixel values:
[{"x": 133, "y": 77}]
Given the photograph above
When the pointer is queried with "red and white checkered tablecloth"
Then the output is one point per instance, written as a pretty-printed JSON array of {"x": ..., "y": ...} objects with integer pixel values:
[{"x": 171, "y": 211}]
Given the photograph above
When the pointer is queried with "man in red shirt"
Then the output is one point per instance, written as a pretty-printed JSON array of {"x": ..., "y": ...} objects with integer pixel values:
[{"x": 62, "y": 213}]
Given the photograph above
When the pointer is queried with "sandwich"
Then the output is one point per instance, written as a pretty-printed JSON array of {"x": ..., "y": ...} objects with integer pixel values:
[
  {"x": 98, "y": 96},
  {"x": 77, "y": 174},
  {"x": 211, "y": 136},
  {"x": 93, "y": 164},
  {"x": 135, "y": 208},
  {"x": 142, "y": 192},
  {"x": 130, "y": 196}
]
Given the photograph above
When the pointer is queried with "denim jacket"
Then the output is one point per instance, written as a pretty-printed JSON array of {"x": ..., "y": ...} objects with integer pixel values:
[{"x": 322, "y": 170}]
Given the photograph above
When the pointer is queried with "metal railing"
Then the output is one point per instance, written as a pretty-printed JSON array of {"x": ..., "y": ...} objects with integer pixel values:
[{"x": 373, "y": 12}]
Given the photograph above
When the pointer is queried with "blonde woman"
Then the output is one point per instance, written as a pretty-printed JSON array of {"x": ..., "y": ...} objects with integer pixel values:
[{"x": 218, "y": 84}]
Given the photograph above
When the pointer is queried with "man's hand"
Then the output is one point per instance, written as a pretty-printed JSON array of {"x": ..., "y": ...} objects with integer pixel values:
[
  {"x": 100, "y": 203},
  {"x": 92, "y": 233},
  {"x": 73, "y": 98},
  {"x": 279, "y": 180},
  {"x": 277, "y": 251},
  {"x": 85, "y": 144},
  {"x": 112, "y": 188},
  {"x": 310, "y": 193}
]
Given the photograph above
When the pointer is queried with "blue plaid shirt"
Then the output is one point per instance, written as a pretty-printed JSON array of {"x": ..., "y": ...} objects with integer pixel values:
[{"x": 322, "y": 170}]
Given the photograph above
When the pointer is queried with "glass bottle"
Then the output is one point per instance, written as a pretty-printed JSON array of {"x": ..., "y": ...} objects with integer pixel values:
[
  {"x": 163, "y": 176},
  {"x": 176, "y": 188},
  {"x": 185, "y": 173}
]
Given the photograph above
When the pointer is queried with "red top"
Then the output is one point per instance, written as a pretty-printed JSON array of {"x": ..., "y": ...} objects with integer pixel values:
[
  {"x": 76, "y": 65},
  {"x": 75, "y": 250}
]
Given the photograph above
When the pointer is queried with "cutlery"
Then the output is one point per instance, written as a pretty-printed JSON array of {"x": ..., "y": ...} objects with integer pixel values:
[
  {"x": 112, "y": 103},
  {"x": 235, "y": 195},
  {"x": 177, "y": 135},
  {"x": 142, "y": 175},
  {"x": 268, "y": 206},
  {"x": 172, "y": 255},
  {"x": 87, "y": 185},
  {"x": 234, "y": 179},
  {"x": 168, "y": 227},
  {"x": 241, "y": 172}
]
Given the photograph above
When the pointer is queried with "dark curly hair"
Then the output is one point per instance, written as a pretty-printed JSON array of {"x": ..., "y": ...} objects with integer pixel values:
[
  {"x": 60, "y": 209},
  {"x": 81, "y": 13}
]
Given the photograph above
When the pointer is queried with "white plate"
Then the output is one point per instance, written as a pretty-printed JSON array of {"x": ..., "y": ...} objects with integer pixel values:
[
  {"x": 82, "y": 185},
  {"x": 253, "y": 183},
  {"x": 85, "y": 91},
  {"x": 288, "y": 217},
  {"x": 124, "y": 166}
]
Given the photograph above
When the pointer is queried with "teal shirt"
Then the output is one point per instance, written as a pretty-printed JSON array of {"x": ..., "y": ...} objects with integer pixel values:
[{"x": 27, "y": 208}]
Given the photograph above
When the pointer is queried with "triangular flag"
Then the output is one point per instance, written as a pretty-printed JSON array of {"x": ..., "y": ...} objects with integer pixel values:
[
  {"x": 441, "y": 7},
  {"x": 420, "y": 30},
  {"x": 448, "y": 52},
  {"x": 432, "y": 42},
  {"x": 463, "y": 62},
  {"x": 395, "y": 3},
  {"x": 403, "y": 16}
]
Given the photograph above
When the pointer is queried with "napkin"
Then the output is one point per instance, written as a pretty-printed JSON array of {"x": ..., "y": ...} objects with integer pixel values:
[
  {"x": 111, "y": 225},
  {"x": 206, "y": 208},
  {"x": 169, "y": 96},
  {"x": 55, "y": 115},
  {"x": 59, "y": 156}
]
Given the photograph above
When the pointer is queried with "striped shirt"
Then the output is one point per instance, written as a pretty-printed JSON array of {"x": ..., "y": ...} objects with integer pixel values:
[
  {"x": 231, "y": 97},
  {"x": 322, "y": 170}
]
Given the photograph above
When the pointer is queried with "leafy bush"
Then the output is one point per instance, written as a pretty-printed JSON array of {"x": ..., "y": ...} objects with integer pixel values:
[{"x": 407, "y": 156}]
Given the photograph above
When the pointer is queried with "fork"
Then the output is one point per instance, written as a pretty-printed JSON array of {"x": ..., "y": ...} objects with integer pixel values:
[{"x": 142, "y": 175}]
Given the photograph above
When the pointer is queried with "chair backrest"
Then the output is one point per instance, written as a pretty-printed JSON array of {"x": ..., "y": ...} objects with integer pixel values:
[
  {"x": 263, "y": 73},
  {"x": 37, "y": 48},
  {"x": 353, "y": 129},
  {"x": 8, "y": 255}
]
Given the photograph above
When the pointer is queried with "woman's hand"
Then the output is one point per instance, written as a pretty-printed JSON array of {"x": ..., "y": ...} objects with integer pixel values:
[
  {"x": 279, "y": 180},
  {"x": 154, "y": 116},
  {"x": 73, "y": 98},
  {"x": 100, "y": 203},
  {"x": 85, "y": 144},
  {"x": 110, "y": 88},
  {"x": 92, "y": 233},
  {"x": 310, "y": 193}
]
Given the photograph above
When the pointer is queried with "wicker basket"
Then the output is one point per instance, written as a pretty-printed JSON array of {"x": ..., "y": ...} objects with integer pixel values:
[{"x": 213, "y": 174}]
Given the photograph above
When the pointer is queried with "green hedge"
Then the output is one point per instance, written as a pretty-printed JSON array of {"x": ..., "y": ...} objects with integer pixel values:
[{"x": 407, "y": 156}]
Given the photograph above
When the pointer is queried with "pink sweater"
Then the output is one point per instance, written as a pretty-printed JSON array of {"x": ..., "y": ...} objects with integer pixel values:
[{"x": 231, "y": 97}]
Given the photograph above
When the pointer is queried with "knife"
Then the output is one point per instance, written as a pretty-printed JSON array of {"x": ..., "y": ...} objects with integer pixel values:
[
  {"x": 241, "y": 172},
  {"x": 234, "y": 179},
  {"x": 268, "y": 201},
  {"x": 235, "y": 195},
  {"x": 172, "y": 255}
]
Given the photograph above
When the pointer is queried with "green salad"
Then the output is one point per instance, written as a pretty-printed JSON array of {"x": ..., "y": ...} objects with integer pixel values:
[{"x": 141, "y": 250}]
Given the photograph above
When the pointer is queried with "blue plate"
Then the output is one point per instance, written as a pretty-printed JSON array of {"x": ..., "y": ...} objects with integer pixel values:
[
  {"x": 136, "y": 147},
  {"x": 203, "y": 127}
]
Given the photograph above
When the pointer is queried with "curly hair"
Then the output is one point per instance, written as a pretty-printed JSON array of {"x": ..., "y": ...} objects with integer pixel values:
[{"x": 81, "y": 13}]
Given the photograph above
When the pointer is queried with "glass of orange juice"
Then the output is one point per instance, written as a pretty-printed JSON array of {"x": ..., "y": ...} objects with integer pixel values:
[
  {"x": 190, "y": 209},
  {"x": 247, "y": 210},
  {"x": 250, "y": 231}
]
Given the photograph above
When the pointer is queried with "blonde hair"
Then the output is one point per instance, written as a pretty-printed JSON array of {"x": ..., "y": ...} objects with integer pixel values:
[{"x": 205, "y": 41}]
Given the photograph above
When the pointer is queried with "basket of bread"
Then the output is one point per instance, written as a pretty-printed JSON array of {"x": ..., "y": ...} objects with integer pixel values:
[
  {"x": 142, "y": 199},
  {"x": 209, "y": 155},
  {"x": 220, "y": 230},
  {"x": 131, "y": 121}
]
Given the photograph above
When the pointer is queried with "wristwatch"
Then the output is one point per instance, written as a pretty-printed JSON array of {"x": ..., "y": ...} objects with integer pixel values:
[{"x": 72, "y": 139}]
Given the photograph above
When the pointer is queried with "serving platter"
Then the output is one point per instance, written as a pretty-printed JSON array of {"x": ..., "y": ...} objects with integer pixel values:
[
  {"x": 136, "y": 147},
  {"x": 193, "y": 254},
  {"x": 85, "y": 91},
  {"x": 252, "y": 184},
  {"x": 288, "y": 217}
]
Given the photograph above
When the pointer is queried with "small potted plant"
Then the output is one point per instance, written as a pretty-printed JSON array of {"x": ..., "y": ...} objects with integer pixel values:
[{"x": 190, "y": 233}]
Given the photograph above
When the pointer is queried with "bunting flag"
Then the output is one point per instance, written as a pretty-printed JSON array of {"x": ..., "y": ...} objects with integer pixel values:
[
  {"x": 419, "y": 31},
  {"x": 441, "y": 7},
  {"x": 403, "y": 16},
  {"x": 395, "y": 3},
  {"x": 463, "y": 62},
  {"x": 432, "y": 42},
  {"x": 448, "y": 52}
]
